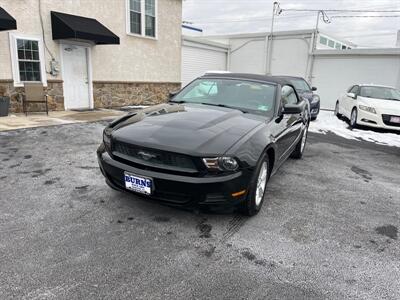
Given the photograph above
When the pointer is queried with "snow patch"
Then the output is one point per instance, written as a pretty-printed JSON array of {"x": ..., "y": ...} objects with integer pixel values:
[{"x": 328, "y": 122}]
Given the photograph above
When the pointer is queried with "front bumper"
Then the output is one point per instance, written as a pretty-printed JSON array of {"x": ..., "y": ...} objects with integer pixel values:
[
  {"x": 178, "y": 190},
  {"x": 378, "y": 120},
  {"x": 314, "y": 109}
]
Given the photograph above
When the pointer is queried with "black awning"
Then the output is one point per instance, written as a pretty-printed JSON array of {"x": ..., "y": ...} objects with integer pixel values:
[
  {"x": 6, "y": 21},
  {"x": 66, "y": 26}
]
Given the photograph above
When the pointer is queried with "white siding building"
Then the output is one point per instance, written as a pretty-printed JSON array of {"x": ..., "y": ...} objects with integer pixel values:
[{"x": 331, "y": 71}]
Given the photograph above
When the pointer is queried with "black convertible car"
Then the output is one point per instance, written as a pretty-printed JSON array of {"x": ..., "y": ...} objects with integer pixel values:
[{"x": 215, "y": 143}]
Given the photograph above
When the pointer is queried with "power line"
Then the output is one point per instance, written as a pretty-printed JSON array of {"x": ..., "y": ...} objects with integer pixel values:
[
  {"x": 392, "y": 16},
  {"x": 343, "y": 10}
]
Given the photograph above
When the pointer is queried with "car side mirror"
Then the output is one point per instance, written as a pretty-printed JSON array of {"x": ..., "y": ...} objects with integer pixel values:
[
  {"x": 172, "y": 94},
  {"x": 352, "y": 95},
  {"x": 313, "y": 88},
  {"x": 291, "y": 109}
]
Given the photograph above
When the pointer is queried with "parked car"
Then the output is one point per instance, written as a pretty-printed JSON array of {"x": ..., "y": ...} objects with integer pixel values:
[
  {"x": 307, "y": 92},
  {"x": 216, "y": 142},
  {"x": 370, "y": 105}
]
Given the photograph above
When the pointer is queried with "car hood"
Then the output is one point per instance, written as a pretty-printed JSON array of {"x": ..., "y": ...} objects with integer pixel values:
[
  {"x": 192, "y": 129},
  {"x": 384, "y": 106}
]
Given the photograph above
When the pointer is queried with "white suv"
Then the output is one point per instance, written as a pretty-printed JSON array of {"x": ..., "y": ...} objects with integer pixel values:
[{"x": 370, "y": 105}]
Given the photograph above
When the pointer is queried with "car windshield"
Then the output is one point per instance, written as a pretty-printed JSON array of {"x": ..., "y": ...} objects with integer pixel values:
[
  {"x": 247, "y": 96},
  {"x": 380, "y": 92},
  {"x": 300, "y": 85}
]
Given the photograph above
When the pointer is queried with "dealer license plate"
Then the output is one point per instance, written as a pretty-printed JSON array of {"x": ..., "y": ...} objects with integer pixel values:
[
  {"x": 139, "y": 184},
  {"x": 395, "y": 119}
]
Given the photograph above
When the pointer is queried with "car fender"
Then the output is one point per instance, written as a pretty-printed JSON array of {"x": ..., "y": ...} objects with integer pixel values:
[{"x": 250, "y": 147}]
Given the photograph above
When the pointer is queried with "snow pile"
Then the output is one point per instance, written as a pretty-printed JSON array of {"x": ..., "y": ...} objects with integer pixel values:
[{"x": 328, "y": 122}]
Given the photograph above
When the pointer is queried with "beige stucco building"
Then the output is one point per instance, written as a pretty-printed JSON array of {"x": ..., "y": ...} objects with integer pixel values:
[{"x": 130, "y": 55}]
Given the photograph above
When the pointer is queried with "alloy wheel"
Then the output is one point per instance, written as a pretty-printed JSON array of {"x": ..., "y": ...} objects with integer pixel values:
[
  {"x": 261, "y": 183},
  {"x": 304, "y": 139}
]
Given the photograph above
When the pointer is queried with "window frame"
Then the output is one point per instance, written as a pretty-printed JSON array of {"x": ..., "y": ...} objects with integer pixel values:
[
  {"x": 13, "y": 37},
  {"x": 142, "y": 19}
]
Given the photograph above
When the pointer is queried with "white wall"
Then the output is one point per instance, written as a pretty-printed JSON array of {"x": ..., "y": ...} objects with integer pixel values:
[
  {"x": 247, "y": 55},
  {"x": 290, "y": 56},
  {"x": 334, "y": 73}
]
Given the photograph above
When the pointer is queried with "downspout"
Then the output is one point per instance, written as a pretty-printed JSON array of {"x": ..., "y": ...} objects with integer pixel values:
[
  {"x": 228, "y": 59},
  {"x": 311, "y": 54}
]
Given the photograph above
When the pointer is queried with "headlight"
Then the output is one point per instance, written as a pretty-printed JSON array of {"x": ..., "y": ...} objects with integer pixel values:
[
  {"x": 367, "y": 108},
  {"x": 221, "y": 163},
  {"x": 106, "y": 139},
  {"x": 315, "y": 99}
]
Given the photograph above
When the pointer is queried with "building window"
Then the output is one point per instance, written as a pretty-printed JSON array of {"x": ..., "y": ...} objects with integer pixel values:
[
  {"x": 150, "y": 18},
  {"x": 142, "y": 17},
  {"x": 27, "y": 58},
  {"x": 338, "y": 46},
  {"x": 331, "y": 43},
  {"x": 323, "y": 40},
  {"x": 135, "y": 15}
]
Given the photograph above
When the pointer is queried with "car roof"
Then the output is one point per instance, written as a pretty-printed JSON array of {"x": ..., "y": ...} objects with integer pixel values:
[
  {"x": 377, "y": 85},
  {"x": 289, "y": 77},
  {"x": 248, "y": 76}
]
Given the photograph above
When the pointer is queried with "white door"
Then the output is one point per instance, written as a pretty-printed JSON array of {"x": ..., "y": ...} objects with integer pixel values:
[
  {"x": 197, "y": 61},
  {"x": 75, "y": 76}
]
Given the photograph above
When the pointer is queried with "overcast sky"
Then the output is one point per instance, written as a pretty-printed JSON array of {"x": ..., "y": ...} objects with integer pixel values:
[{"x": 239, "y": 16}]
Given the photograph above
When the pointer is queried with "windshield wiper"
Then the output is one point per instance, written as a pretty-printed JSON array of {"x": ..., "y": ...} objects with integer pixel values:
[
  {"x": 226, "y": 106},
  {"x": 179, "y": 101}
]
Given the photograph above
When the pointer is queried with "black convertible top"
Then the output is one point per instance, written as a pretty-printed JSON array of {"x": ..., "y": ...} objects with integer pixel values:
[{"x": 248, "y": 76}]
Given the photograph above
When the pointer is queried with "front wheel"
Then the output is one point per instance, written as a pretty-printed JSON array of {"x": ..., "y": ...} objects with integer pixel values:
[
  {"x": 337, "y": 114},
  {"x": 298, "y": 151},
  {"x": 353, "y": 118},
  {"x": 258, "y": 185}
]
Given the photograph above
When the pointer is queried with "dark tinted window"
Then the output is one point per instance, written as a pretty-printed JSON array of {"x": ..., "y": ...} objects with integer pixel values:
[
  {"x": 300, "y": 84},
  {"x": 354, "y": 90}
]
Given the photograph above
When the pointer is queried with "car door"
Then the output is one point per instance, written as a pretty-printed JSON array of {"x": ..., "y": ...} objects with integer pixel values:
[
  {"x": 287, "y": 126},
  {"x": 349, "y": 102}
]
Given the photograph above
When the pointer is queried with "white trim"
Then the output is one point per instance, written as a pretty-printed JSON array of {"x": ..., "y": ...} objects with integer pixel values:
[
  {"x": 88, "y": 47},
  {"x": 142, "y": 20},
  {"x": 13, "y": 37}
]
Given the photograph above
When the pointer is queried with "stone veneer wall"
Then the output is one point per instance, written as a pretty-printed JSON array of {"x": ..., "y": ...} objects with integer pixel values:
[
  {"x": 54, "y": 90},
  {"x": 118, "y": 94}
]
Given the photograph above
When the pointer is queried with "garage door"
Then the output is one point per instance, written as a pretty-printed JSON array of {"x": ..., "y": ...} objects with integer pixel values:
[{"x": 197, "y": 61}]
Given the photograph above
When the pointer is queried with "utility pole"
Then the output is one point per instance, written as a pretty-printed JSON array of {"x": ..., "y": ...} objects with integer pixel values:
[
  {"x": 269, "y": 39},
  {"x": 325, "y": 18}
]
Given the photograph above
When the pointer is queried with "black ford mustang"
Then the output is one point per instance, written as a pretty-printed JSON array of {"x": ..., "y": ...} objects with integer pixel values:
[{"x": 215, "y": 143}]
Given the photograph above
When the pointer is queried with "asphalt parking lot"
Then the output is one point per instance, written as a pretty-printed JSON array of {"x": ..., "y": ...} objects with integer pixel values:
[{"x": 329, "y": 229}]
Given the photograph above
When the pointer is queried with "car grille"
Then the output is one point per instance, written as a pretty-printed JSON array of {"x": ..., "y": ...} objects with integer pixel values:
[
  {"x": 386, "y": 120},
  {"x": 154, "y": 158}
]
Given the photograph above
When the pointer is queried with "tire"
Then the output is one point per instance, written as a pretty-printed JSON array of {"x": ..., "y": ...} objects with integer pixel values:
[
  {"x": 313, "y": 118},
  {"x": 299, "y": 150},
  {"x": 353, "y": 118},
  {"x": 337, "y": 114},
  {"x": 255, "y": 200}
]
